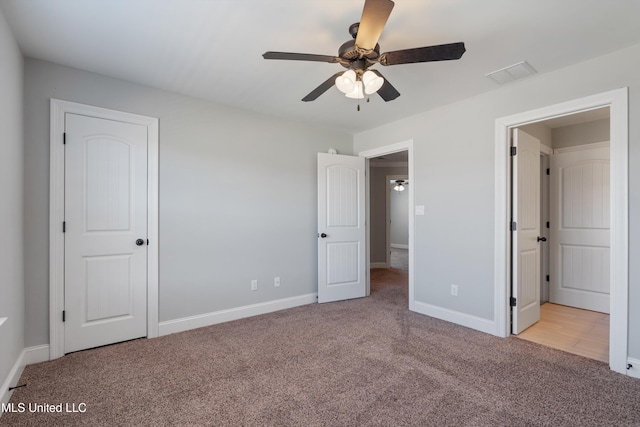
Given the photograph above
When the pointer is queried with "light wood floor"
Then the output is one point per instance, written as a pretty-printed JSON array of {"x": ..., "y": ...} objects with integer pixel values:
[{"x": 581, "y": 332}]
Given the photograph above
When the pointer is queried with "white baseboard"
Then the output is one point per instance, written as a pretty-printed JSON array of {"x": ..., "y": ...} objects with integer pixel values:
[
  {"x": 208, "y": 319},
  {"x": 11, "y": 380},
  {"x": 634, "y": 371},
  {"x": 398, "y": 246},
  {"x": 36, "y": 354},
  {"x": 28, "y": 356},
  {"x": 473, "y": 322},
  {"x": 378, "y": 265}
]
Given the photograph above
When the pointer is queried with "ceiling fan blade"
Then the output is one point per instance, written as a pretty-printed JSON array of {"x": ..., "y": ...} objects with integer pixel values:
[
  {"x": 374, "y": 17},
  {"x": 387, "y": 91},
  {"x": 443, "y": 52},
  {"x": 300, "y": 57},
  {"x": 314, "y": 94}
]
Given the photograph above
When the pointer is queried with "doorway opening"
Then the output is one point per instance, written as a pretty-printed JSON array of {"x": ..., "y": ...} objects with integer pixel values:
[
  {"x": 389, "y": 213},
  {"x": 617, "y": 102},
  {"x": 573, "y": 279},
  {"x": 397, "y": 224}
]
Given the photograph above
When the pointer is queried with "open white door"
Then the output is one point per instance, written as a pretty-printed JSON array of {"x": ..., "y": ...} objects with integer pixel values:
[
  {"x": 525, "y": 245},
  {"x": 341, "y": 227}
]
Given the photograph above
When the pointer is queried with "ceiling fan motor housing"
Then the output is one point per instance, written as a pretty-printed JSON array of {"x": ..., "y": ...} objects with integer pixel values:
[{"x": 350, "y": 53}]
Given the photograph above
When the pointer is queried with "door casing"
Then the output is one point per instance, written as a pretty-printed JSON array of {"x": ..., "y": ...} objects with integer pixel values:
[
  {"x": 380, "y": 151},
  {"x": 617, "y": 101},
  {"x": 59, "y": 109}
]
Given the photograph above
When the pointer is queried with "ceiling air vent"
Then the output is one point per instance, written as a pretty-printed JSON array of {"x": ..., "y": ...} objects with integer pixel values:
[{"x": 511, "y": 73}]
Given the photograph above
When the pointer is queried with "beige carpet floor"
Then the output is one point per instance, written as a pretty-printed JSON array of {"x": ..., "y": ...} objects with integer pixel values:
[{"x": 364, "y": 362}]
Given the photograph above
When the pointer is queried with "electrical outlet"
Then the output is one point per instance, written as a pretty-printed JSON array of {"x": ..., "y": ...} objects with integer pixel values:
[
  {"x": 454, "y": 290},
  {"x": 276, "y": 282},
  {"x": 254, "y": 285}
]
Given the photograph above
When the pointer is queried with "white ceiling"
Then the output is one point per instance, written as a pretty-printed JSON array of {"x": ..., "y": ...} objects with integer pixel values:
[
  {"x": 212, "y": 49},
  {"x": 399, "y": 157},
  {"x": 578, "y": 118}
]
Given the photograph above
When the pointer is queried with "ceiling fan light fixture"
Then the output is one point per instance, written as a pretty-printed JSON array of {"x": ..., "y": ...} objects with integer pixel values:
[
  {"x": 399, "y": 185},
  {"x": 372, "y": 82},
  {"x": 363, "y": 51},
  {"x": 357, "y": 92},
  {"x": 346, "y": 82}
]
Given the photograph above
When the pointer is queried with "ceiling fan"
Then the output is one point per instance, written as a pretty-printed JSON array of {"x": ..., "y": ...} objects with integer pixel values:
[{"x": 363, "y": 51}]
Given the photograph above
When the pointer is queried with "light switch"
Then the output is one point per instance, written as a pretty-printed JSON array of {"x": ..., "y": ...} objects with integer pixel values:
[{"x": 420, "y": 210}]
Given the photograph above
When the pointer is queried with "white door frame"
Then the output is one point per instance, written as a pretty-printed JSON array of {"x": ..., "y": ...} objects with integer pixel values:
[
  {"x": 56, "y": 215},
  {"x": 380, "y": 151},
  {"x": 617, "y": 100}
]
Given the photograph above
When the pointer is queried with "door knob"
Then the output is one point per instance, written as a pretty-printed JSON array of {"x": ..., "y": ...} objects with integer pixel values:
[
  {"x": 542, "y": 239},
  {"x": 139, "y": 242},
  {"x": 323, "y": 235}
]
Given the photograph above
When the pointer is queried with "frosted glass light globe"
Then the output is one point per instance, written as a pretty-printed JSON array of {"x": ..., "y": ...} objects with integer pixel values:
[
  {"x": 357, "y": 92},
  {"x": 372, "y": 82},
  {"x": 346, "y": 81}
]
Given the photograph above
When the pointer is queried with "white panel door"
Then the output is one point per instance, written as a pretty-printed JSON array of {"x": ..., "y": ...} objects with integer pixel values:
[
  {"x": 341, "y": 227},
  {"x": 580, "y": 235},
  {"x": 525, "y": 245},
  {"x": 105, "y": 215}
]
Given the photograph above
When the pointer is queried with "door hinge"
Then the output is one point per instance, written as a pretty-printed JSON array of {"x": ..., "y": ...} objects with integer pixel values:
[
  {"x": 548, "y": 171},
  {"x": 513, "y": 151},
  {"x": 514, "y": 226},
  {"x": 547, "y": 277},
  {"x": 64, "y": 138},
  {"x": 512, "y": 301},
  {"x": 147, "y": 242},
  {"x": 64, "y": 226},
  {"x": 64, "y": 315}
]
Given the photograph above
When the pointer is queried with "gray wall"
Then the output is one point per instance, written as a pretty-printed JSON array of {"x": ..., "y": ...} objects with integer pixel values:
[
  {"x": 540, "y": 131},
  {"x": 454, "y": 149},
  {"x": 569, "y": 136},
  {"x": 378, "y": 209},
  {"x": 583, "y": 133},
  {"x": 399, "y": 213},
  {"x": 11, "y": 208},
  {"x": 237, "y": 195}
]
